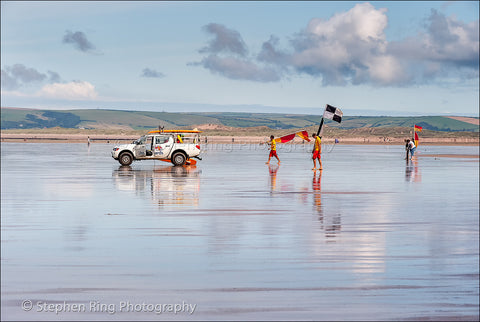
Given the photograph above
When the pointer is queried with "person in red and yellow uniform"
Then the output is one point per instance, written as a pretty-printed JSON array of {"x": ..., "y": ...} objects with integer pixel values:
[
  {"x": 273, "y": 149},
  {"x": 317, "y": 152}
]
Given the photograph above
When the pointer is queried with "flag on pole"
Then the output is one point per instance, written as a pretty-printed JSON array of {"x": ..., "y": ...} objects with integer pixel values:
[
  {"x": 289, "y": 137},
  {"x": 333, "y": 113},
  {"x": 304, "y": 135},
  {"x": 320, "y": 128},
  {"x": 285, "y": 139},
  {"x": 416, "y": 129}
]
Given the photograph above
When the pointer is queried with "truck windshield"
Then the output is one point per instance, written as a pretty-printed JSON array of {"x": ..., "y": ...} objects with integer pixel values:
[{"x": 140, "y": 140}]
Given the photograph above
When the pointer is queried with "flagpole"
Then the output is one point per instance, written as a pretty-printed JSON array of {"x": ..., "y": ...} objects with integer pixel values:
[{"x": 320, "y": 127}]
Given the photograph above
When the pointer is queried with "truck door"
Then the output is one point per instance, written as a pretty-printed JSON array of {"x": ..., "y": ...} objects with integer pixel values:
[
  {"x": 163, "y": 146},
  {"x": 140, "y": 149}
]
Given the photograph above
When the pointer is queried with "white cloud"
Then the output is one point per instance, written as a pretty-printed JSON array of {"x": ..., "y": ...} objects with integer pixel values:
[
  {"x": 362, "y": 22},
  {"x": 78, "y": 90},
  {"x": 351, "y": 47}
]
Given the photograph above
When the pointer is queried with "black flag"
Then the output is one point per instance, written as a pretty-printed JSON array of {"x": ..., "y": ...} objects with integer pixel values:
[{"x": 333, "y": 113}]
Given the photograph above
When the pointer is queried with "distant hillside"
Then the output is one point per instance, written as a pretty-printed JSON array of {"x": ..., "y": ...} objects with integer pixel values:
[{"x": 16, "y": 118}]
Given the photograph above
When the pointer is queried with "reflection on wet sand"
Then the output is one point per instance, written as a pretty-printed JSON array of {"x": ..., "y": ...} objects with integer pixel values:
[
  {"x": 169, "y": 186},
  {"x": 272, "y": 170},
  {"x": 331, "y": 221},
  {"x": 251, "y": 244},
  {"x": 412, "y": 173}
]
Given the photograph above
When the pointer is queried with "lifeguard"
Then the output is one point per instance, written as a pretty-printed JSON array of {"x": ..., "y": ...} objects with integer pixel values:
[
  {"x": 317, "y": 152},
  {"x": 273, "y": 149}
]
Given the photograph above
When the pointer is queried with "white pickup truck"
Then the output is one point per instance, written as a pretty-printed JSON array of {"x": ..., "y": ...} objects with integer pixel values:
[{"x": 169, "y": 145}]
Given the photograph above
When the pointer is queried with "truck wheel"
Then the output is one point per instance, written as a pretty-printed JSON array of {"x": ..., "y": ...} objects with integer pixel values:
[
  {"x": 178, "y": 158},
  {"x": 125, "y": 158}
]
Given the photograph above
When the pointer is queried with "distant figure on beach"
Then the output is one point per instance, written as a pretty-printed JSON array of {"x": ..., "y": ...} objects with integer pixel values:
[
  {"x": 406, "y": 148},
  {"x": 273, "y": 149},
  {"x": 317, "y": 152},
  {"x": 88, "y": 140},
  {"x": 411, "y": 148}
]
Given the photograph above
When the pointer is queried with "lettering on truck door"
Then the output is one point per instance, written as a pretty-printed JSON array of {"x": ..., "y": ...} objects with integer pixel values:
[
  {"x": 140, "y": 149},
  {"x": 163, "y": 146}
]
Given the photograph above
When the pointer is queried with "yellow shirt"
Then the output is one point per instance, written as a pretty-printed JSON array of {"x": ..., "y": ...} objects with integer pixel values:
[
  {"x": 273, "y": 145},
  {"x": 318, "y": 143}
]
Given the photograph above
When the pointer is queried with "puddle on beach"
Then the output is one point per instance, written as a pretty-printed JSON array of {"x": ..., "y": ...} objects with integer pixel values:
[{"x": 372, "y": 237}]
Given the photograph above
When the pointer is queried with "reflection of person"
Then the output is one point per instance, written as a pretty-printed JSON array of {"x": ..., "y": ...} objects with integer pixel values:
[
  {"x": 412, "y": 173},
  {"x": 317, "y": 152},
  {"x": 408, "y": 172},
  {"x": 317, "y": 182},
  {"x": 317, "y": 194},
  {"x": 272, "y": 170},
  {"x": 411, "y": 148},
  {"x": 273, "y": 149}
]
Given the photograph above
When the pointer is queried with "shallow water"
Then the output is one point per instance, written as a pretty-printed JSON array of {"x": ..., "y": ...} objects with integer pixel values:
[{"x": 371, "y": 238}]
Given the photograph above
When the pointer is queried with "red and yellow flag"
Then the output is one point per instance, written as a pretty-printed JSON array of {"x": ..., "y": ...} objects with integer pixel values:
[
  {"x": 416, "y": 129},
  {"x": 289, "y": 137},
  {"x": 304, "y": 135},
  {"x": 285, "y": 138}
]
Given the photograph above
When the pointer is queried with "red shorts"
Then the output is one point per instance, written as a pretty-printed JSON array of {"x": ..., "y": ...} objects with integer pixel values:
[
  {"x": 273, "y": 153},
  {"x": 317, "y": 155}
]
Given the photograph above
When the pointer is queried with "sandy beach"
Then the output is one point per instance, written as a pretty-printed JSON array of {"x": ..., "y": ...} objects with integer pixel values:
[
  {"x": 125, "y": 138},
  {"x": 372, "y": 237}
]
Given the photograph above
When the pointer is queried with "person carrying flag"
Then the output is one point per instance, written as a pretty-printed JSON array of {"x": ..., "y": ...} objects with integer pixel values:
[
  {"x": 317, "y": 152},
  {"x": 332, "y": 113},
  {"x": 273, "y": 149}
]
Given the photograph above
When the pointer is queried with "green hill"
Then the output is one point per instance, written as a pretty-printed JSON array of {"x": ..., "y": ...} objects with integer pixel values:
[{"x": 15, "y": 118}]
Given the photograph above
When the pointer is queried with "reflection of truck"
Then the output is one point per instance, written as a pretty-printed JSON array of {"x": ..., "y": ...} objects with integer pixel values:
[
  {"x": 177, "y": 147},
  {"x": 168, "y": 187}
]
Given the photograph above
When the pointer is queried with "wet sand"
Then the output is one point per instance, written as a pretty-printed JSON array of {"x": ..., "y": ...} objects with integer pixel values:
[
  {"x": 371, "y": 237},
  {"x": 473, "y": 156}
]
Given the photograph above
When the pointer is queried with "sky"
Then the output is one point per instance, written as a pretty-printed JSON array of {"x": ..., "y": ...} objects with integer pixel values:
[{"x": 367, "y": 58}]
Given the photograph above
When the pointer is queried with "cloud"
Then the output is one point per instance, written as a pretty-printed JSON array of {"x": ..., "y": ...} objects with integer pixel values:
[
  {"x": 23, "y": 81},
  {"x": 227, "y": 56},
  {"x": 351, "y": 47},
  {"x": 235, "y": 68},
  {"x": 225, "y": 40},
  {"x": 8, "y": 81},
  {"x": 18, "y": 75},
  {"x": 147, "y": 72},
  {"x": 54, "y": 77},
  {"x": 447, "y": 47},
  {"x": 79, "y": 41},
  {"x": 77, "y": 90},
  {"x": 271, "y": 54}
]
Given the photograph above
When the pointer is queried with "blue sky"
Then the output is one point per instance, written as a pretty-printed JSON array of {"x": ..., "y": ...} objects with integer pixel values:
[{"x": 385, "y": 58}]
